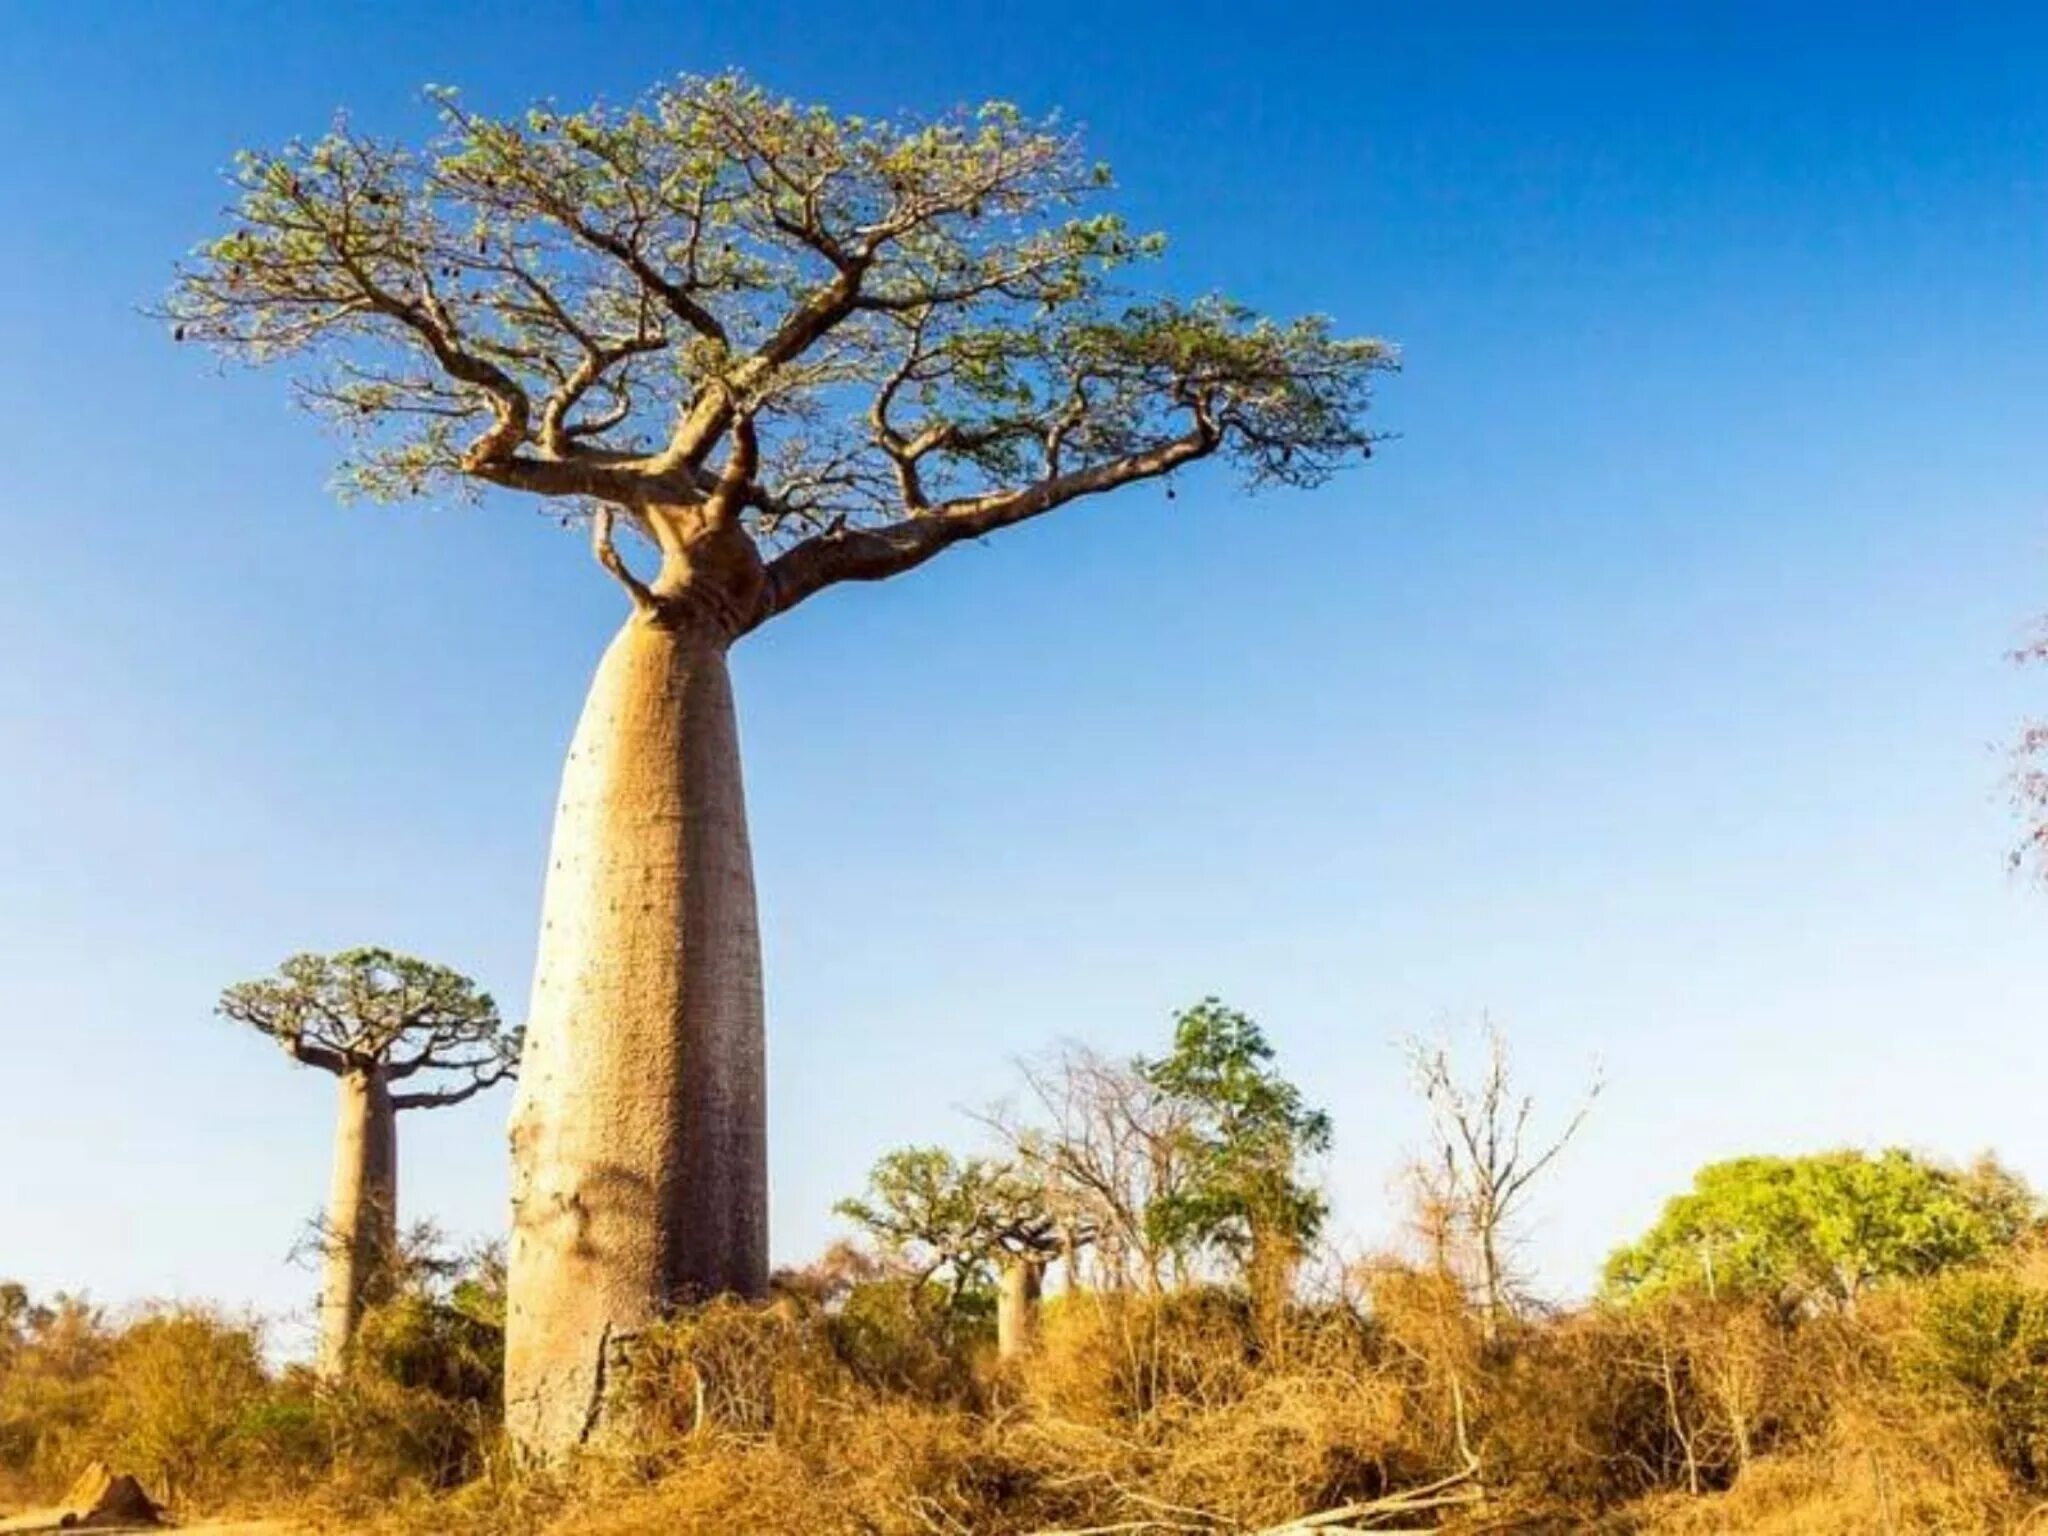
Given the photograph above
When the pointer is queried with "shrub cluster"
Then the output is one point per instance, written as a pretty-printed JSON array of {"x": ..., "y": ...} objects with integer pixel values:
[
  {"x": 187, "y": 1398},
  {"x": 876, "y": 1408}
]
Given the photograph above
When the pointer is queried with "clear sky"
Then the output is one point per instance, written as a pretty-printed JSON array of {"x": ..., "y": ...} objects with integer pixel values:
[{"x": 1648, "y": 692}]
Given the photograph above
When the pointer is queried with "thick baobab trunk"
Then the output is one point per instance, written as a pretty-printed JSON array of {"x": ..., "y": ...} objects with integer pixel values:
[
  {"x": 361, "y": 1224},
  {"x": 639, "y": 1145},
  {"x": 1018, "y": 1287}
]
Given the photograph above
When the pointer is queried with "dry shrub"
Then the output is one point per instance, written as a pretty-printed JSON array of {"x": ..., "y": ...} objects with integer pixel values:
[
  {"x": 1866, "y": 1490},
  {"x": 1614, "y": 1403},
  {"x": 1145, "y": 1403},
  {"x": 1431, "y": 1338},
  {"x": 53, "y": 1362},
  {"x": 868, "y": 1468},
  {"x": 184, "y": 1402},
  {"x": 184, "y": 1398},
  {"x": 724, "y": 1367},
  {"x": 757, "y": 1419},
  {"x": 1118, "y": 1357},
  {"x": 734, "y": 1417},
  {"x": 868, "y": 1412},
  {"x": 1303, "y": 1439}
]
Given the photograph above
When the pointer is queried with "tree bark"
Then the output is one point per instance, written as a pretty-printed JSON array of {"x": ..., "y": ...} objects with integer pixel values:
[
  {"x": 361, "y": 1237},
  {"x": 1269, "y": 1278},
  {"x": 639, "y": 1143},
  {"x": 1018, "y": 1286}
]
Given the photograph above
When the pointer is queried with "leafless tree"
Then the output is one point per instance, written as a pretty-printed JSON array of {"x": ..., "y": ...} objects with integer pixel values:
[
  {"x": 1106, "y": 1146},
  {"x": 1482, "y": 1165}
]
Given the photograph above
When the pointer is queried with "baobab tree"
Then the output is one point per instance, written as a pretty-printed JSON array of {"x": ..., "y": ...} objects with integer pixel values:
[
  {"x": 789, "y": 350},
  {"x": 975, "y": 1222},
  {"x": 373, "y": 1019}
]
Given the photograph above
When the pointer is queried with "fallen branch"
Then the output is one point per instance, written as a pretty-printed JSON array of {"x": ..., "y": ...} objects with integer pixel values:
[{"x": 1445, "y": 1493}]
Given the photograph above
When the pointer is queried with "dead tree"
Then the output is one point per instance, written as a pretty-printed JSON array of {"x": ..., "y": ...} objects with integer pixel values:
[{"x": 1483, "y": 1164}]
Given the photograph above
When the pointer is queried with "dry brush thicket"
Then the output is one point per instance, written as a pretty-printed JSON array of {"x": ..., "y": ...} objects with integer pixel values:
[
  {"x": 1161, "y": 1392},
  {"x": 865, "y": 1409}
]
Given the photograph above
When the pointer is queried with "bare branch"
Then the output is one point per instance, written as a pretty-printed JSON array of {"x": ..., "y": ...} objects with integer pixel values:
[
  {"x": 608, "y": 556},
  {"x": 871, "y": 554},
  {"x": 439, "y": 1098}
]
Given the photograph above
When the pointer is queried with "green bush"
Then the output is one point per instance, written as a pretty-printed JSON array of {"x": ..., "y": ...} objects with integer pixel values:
[
  {"x": 1982, "y": 1345},
  {"x": 899, "y": 1335}
]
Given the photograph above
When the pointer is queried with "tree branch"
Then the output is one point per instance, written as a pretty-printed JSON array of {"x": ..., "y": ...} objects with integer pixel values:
[
  {"x": 608, "y": 556},
  {"x": 872, "y": 554},
  {"x": 438, "y": 1098},
  {"x": 297, "y": 1047}
]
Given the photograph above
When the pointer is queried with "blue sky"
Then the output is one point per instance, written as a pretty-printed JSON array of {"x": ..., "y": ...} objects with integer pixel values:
[{"x": 1648, "y": 692}]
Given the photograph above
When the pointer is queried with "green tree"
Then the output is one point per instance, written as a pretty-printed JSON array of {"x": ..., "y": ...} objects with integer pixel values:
[
  {"x": 1246, "y": 1132},
  {"x": 790, "y": 349},
  {"x": 1816, "y": 1232},
  {"x": 930, "y": 1210},
  {"x": 974, "y": 1223}
]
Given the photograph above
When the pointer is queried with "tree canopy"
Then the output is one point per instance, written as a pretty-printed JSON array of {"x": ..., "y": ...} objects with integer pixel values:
[
  {"x": 952, "y": 1216},
  {"x": 1247, "y": 1130},
  {"x": 364, "y": 1009},
  {"x": 855, "y": 340},
  {"x": 1817, "y": 1231}
]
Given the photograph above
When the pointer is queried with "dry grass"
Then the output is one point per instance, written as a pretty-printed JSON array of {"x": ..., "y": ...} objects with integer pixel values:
[{"x": 879, "y": 1417}]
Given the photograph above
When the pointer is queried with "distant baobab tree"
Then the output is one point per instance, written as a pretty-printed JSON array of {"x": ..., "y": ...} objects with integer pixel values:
[
  {"x": 789, "y": 349},
  {"x": 374, "y": 1019},
  {"x": 977, "y": 1223}
]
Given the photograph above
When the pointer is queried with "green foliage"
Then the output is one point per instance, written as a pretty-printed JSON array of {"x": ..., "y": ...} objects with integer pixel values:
[
  {"x": 612, "y": 287},
  {"x": 431, "y": 1344},
  {"x": 1246, "y": 1133},
  {"x": 1816, "y": 1232},
  {"x": 374, "y": 1007},
  {"x": 1982, "y": 1347},
  {"x": 901, "y": 1334},
  {"x": 441, "y": 1333},
  {"x": 951, "y": 1218}
]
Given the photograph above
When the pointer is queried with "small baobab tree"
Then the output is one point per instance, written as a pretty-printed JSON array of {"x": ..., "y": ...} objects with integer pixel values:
[
  {"x": 790, "y": 350},
  {"x": 969, "y": 1223},
  {"x": 374, "y": 1019}
]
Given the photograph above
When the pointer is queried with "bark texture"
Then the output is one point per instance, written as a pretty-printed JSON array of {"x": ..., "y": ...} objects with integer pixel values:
[
  {"x": 361, "y": 1237},
  {"x": 1270, "y": 1278},
  {"x": 1018, "y": 1287},
  {"x": 639, "y": 1144}
]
